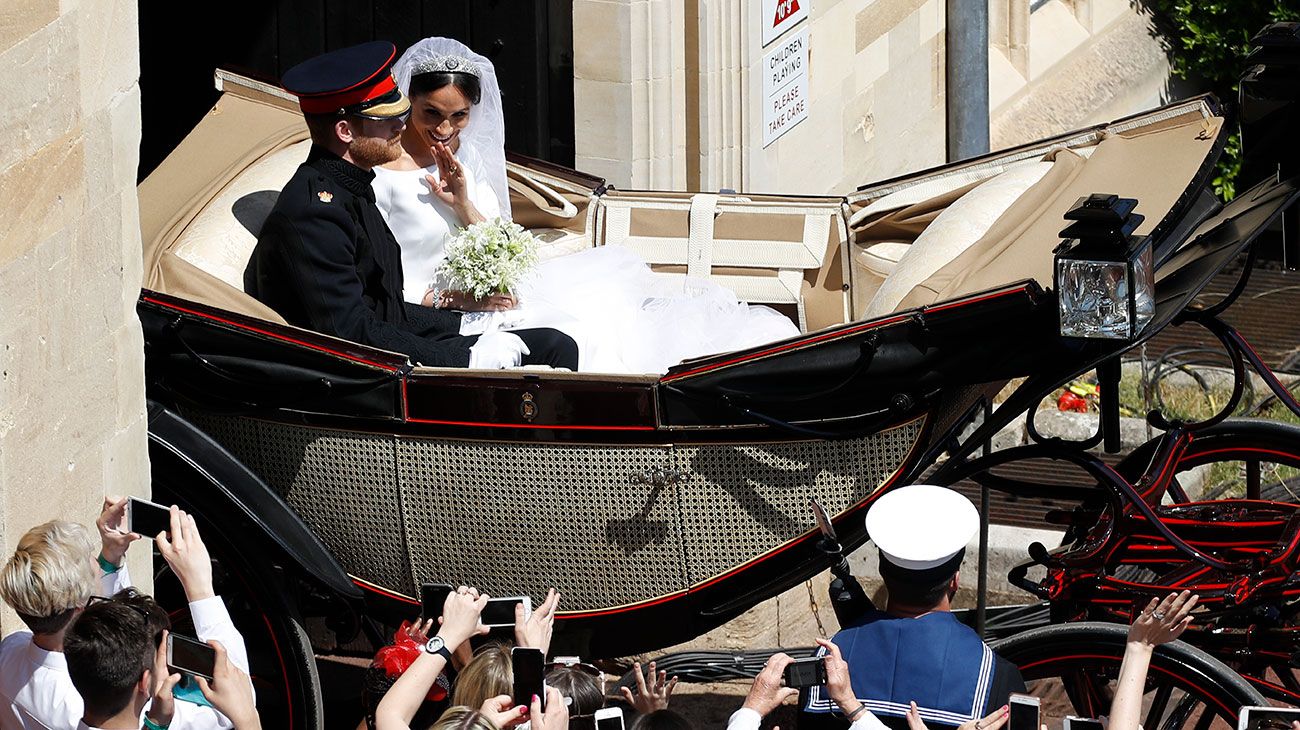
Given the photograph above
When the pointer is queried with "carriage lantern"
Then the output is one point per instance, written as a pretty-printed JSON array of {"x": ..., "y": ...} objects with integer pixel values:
[{"x": 1105, "y": 280}]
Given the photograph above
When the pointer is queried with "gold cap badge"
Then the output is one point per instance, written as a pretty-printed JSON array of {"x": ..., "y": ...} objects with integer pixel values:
[{"x": 325, "y": 196}]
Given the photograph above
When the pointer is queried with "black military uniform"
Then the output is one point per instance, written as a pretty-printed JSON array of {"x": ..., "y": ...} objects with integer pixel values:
[{"x": 325, "y": 258}]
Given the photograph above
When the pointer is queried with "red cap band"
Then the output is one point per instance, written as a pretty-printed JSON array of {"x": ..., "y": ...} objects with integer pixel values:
[{"x": 334, "y": 101}]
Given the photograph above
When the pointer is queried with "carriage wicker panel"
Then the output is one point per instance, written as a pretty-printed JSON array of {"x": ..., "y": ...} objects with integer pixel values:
[
  {"x": 517, "y": 518},
  {"x": 740, "y": 501},
  {"x": 341, "y": 484}
]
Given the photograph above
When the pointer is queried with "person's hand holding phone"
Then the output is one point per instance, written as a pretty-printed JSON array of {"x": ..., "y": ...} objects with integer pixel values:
[
  {"x": 184, "y": 551},
  {"x": 556, "y": 716},
  {"x": 230, "y": 691},
  {"x": 534, "y": 631},
  {"x": 460, "y": 616},
  {"x": 114, "y": 538},
  {"x": 502, "y": 712},
  {"x": 418, "y": 631},
  {"x": 768, "y": 692},
  {"x": 838, "y": 684},
  {"x": 163, "y": 706}
]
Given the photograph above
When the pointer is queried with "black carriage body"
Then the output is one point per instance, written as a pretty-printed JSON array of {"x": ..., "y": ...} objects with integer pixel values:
[
  {"x": 645, "y": 501},
  {"x": 660, "y": 506}
]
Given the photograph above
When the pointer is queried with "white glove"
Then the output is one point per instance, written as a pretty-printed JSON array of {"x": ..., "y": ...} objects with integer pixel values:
[{"x": 497, "y": 350}]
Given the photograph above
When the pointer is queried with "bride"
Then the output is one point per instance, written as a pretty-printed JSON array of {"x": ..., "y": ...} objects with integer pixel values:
[{"x": 452, "y": 173}]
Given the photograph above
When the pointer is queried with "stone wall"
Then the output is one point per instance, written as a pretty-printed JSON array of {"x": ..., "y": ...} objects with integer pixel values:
[
  {"x": 667, "y": 92},
  {"x": 71, "y": 358},
  {"x": 668, "y": 97},
  {"x": 1069, "y": 64},
  {"x": 877, "y": 100}
]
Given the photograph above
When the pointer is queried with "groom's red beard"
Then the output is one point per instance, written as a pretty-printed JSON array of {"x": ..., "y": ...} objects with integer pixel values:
[{"x": 373, "y": 151}]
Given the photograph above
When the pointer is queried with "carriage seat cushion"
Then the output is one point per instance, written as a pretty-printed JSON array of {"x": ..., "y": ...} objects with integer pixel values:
[
  {"x": 221, "y": 238},
  {"x": 954, "y": 230},
  {"x": 882, "y": 258}
]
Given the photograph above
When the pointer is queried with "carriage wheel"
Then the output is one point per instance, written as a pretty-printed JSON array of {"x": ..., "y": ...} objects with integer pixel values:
[
  {"x": 1254, "y": 458},
  {"x": 1073, "y": 668},
  {"x": 281, "y": 661}
]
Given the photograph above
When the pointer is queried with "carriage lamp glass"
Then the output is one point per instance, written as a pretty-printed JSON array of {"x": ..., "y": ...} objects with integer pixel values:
[{"x": 1105, "y": 280}]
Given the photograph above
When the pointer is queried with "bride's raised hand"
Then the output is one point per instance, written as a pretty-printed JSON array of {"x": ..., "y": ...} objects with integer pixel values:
[{"x": 449, "y": 186}]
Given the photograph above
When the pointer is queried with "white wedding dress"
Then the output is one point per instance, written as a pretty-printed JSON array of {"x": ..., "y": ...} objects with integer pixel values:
[
  {"x": 422, "y": 223},
  {"x": 624, "y": 317}
]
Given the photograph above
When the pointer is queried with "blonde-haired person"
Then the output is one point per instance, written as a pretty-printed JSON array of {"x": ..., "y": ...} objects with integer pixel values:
[
  {"x": 47, "y": 581},
  {"x": 489, "y": 674},
  {"x": 35, "y": 686}
]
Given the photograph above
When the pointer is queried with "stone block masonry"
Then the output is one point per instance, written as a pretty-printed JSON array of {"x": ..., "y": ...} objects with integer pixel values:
[{"x": 72, "y": 422}]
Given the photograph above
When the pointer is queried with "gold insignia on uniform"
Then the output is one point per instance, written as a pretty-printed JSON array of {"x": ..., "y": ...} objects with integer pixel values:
[{"x": 325, "y": 196}]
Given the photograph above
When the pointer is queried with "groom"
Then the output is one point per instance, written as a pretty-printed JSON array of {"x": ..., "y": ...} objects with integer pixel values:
[{"x": 326, "y": 260}]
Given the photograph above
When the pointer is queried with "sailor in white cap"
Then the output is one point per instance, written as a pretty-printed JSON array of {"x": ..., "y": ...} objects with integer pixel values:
[{"x": 916, "y": 650}]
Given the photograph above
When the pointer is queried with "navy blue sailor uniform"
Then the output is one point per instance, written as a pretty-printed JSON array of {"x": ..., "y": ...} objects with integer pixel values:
[{"x": 933, "y": 660}]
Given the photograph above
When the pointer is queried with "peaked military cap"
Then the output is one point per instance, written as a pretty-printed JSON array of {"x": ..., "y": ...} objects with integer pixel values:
[{"x": 353, "y": 80}]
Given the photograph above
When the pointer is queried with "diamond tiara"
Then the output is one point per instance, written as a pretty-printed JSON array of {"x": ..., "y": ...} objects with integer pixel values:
[{"x": 447, "y": 64}]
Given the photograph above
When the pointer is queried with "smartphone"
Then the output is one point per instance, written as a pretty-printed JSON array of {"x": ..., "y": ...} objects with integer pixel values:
[
  {"x": 146, "y": 518},
  {"x": 1081, "y": 723},
  {"x": 528, "y": 669},
  {"x": 1024, "y": 712},
  {"x": 609, "y": 718},
  {"x": 809, "y": 672},
  {"x": 501, "y": 611},
  {"x": 433, "y": 596},
  {"x": 1267, "y": 718},
  {"x": 190, "y": 656}
]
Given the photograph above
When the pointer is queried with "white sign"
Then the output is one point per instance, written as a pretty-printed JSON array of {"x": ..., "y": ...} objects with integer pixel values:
[
  {"x": 785, "y": 86},
  {"x": 778, "y": 16}
]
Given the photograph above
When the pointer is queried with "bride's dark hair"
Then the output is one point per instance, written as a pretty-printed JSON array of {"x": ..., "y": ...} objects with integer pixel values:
[{"x": 467, "y": 83}]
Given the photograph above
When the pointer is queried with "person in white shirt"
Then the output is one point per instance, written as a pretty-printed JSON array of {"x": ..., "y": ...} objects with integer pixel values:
[
  {"x": 112, "y": 658},
  {"x": 48, "y": 581},
  {"x": 768, "y": 693}
]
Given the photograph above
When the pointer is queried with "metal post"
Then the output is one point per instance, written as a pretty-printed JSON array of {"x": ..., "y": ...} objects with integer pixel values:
[
  {"x": 967, "y": 80},
  {"x": 982, "y": 596}
]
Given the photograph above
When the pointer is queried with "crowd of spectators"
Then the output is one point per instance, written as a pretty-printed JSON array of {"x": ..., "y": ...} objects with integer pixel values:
[{"x": 94, "y": 654}]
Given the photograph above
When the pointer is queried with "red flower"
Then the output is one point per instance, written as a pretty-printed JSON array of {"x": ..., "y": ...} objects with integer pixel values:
[{"x": 397, "y": 657}]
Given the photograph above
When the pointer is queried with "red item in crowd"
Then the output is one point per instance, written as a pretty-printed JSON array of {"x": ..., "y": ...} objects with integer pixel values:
[
  {"x": 1071, "y": 402},
  {"x": 397, "y": 657}
]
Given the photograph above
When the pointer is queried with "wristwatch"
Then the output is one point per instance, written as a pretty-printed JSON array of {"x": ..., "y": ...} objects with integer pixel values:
[{"x": 437, "y": 645}]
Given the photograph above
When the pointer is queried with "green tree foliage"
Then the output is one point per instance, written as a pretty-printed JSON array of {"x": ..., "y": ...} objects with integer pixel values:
[{"x": 1207, "y": 42}]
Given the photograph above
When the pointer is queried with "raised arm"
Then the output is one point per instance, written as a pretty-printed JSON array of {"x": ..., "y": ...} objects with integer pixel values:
[
  {"x": 460, "y": 621},
  {"x": 1161, "y": 622}
]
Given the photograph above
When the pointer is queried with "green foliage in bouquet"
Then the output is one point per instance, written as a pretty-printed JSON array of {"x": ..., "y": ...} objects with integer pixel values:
[
  {"x": 1207, "y": 42},
  {"x": 489, "y": 257}
]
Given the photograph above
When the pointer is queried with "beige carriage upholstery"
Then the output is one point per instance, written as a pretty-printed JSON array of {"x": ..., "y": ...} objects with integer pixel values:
[
  {"x": 1152, "y": 162},
  {"x": 766, "y": 249}
]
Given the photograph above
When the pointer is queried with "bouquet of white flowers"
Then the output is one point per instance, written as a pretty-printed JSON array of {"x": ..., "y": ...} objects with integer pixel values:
[{"x": 489, "y": 257}]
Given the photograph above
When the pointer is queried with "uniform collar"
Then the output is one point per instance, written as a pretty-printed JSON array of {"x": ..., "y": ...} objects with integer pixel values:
[{"x": 353, "y": 179}]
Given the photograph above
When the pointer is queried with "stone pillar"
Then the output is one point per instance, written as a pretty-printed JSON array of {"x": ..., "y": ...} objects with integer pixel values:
[
  {"x": 723, "y": 69},
  {"x": 629, "y": 82},
  {"x": 72, "y": 423}
]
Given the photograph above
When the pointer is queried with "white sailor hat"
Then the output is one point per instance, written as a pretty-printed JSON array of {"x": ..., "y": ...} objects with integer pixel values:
[{"x": 922, "y": 527}]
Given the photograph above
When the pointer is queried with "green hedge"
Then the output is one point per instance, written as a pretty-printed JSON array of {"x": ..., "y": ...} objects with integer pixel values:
[{"x": 1207, "y": 43}]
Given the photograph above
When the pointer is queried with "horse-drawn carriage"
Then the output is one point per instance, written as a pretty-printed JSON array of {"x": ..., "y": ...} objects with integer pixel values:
[{"x": 338, "y": 477}]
